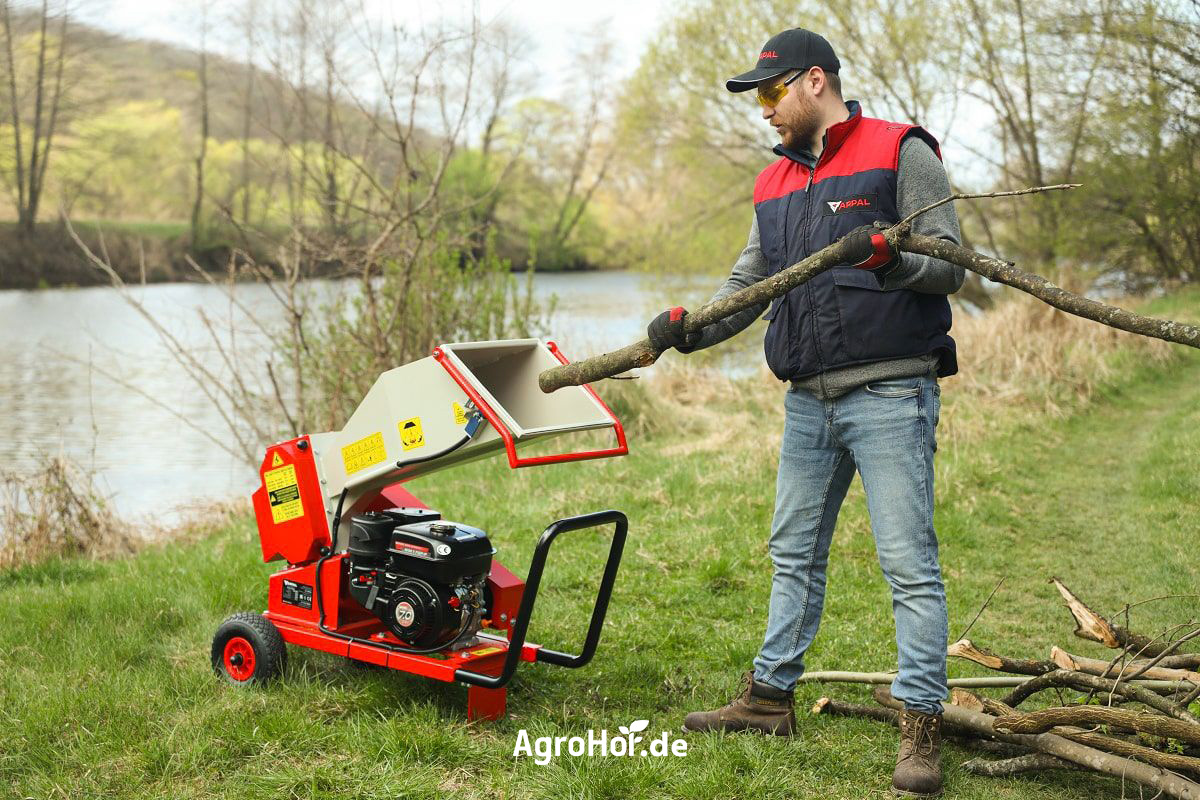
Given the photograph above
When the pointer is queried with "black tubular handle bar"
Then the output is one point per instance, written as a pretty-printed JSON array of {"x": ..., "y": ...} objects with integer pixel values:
[{"x": 517, "y": 642}]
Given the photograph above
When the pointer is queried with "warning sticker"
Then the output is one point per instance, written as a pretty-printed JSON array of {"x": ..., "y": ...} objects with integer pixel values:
[
  {"x": 283, "y": 493},
  {"x": 460, "y": 414},
  {"x": 366, "y": 452},
  {"x": 410, "y": 433},
  {"x": 485, "y": 651},
  {"x": 277, "y": 461}
]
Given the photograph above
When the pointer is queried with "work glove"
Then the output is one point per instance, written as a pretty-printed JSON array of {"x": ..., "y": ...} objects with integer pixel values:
[
  {"x": 666, "y": 331},
  {"x": 870, "y": 251}
]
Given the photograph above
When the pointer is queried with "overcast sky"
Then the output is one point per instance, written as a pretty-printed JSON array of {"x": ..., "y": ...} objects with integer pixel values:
[{"x": 552, "y": 25}]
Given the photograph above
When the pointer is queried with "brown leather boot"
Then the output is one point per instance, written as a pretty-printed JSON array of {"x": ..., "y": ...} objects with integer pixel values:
[
  {"x": 919, "y": 762},
  {"x": 758, "y": 708}
]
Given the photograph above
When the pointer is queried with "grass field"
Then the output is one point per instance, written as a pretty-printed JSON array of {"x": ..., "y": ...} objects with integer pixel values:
[{"x": 107, "y": 691}]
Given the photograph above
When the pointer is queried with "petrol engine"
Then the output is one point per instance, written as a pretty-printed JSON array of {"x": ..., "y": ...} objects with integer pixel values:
[{"x": 423, "y": 576}]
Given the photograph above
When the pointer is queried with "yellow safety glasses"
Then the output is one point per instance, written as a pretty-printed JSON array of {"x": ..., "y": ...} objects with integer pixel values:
[{"x": 769, "y": 96}]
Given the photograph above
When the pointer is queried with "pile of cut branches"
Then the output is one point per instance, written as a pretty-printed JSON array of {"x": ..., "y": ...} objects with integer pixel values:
[{"x": 1128, "y": 717}]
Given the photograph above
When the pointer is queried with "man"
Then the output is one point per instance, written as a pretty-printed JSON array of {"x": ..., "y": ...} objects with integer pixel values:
[{"x": 862, "y": 347}]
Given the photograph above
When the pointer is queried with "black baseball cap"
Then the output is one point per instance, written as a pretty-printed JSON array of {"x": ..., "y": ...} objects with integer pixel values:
[{"x": 793, "y": 49}]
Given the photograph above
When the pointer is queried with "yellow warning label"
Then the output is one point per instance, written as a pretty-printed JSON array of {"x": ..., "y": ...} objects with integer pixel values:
[
  {"x": 484, "y": 651},
  {"x": 283, "y": 493},
  {"x": 410, "y": 433},
  {"x": 277, "y": 461},
  {"x": 366, "y": 452},
  {"x": 460, "y": 414}
]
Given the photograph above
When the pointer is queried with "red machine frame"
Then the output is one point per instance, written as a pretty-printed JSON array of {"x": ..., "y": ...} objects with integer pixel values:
[{"x": 335, "y": 623}]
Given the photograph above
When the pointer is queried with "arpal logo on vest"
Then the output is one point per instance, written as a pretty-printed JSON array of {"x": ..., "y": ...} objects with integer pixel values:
[{"x": 862, "y": 202}]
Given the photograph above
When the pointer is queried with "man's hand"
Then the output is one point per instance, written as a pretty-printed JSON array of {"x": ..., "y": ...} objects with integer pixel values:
[
  {"x": 666, "y": 331},
  {"x": 869, "y": 250}
]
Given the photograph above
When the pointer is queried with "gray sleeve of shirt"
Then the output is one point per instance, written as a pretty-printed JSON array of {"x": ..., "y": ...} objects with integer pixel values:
[
  {"x": 921, "y": 181},
  {"x": 750, "y": 268}
]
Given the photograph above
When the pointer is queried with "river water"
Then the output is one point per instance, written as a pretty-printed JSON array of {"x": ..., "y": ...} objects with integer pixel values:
[{"x": 82, "y": 374}]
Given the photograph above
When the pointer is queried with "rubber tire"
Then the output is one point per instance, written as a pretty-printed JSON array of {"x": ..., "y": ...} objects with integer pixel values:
[{"x": 270, "y": 653}]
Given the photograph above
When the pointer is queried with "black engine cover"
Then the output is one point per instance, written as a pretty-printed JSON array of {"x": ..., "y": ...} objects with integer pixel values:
[{"x": 422, "y": 576}]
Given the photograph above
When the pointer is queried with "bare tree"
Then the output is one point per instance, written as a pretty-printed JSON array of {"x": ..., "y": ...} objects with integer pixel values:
[
  {"x": 249, "y": 12},
  {"x": 202, "y": 80},
  {"x": 39, "y": 123}
]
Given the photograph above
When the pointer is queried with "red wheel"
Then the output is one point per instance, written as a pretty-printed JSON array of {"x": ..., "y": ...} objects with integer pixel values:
[
  {"x": 239, "y": 659},
  {"x": 248, "y": 649}
]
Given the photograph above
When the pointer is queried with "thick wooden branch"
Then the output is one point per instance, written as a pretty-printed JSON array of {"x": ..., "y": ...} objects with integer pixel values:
[
  {"x": 1109, "y": 744},
  {"x": 1090, "y": 625},
  {"x": 964, "y": 648},
  {"x": 1095, "y": 666},
  {"x": 641, "y": 354},
  {"x": 1148, "y": 755},
  {"x": 836, "y": 708},
  {"x": 888, "y": 677},
  {"x": 1008, "y": 767},
  {"x": 1083, "y": 681},
  {"x": 1143, "y": 722},
  {"x": 1169, "y": 783},
  {"x": 974, "y": 683},
  {"x": 1007, "y": 273}
]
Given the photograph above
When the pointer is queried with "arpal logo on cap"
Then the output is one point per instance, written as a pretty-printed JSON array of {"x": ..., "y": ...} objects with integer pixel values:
[{"x": 861, "y": 202}]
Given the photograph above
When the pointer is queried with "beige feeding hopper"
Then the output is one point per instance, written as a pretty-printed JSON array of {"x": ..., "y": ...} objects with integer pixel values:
[{"x": 466, "y": 401}]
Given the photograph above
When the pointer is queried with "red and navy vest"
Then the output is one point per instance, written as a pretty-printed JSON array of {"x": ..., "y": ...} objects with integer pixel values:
[{"x": 842, "y": 316}]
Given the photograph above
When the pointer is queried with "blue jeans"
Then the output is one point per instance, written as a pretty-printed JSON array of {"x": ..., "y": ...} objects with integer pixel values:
[{"x": 885, "y": 429}]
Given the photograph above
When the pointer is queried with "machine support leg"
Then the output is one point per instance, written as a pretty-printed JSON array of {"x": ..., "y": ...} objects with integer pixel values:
[{"x": 486, "y": 703}]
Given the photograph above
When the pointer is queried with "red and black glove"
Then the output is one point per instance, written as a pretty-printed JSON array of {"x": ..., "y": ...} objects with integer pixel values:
[
  {"x": 666, "y": 331},
  {"x": 867, "y": 249}
]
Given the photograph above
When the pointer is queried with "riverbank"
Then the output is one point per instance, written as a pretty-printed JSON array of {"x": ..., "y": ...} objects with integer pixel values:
[
  {"x": 153, "y": 252},
  {"x": 109, "y": 692}
]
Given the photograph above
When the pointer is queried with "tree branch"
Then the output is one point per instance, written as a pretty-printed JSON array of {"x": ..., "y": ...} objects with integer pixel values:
[
  {"x": 901, "y": 237},
  {"x": 984, "y": 725}
]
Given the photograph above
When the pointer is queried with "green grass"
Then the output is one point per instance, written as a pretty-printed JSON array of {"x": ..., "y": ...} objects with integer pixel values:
[{"x": 107, "y": 691}]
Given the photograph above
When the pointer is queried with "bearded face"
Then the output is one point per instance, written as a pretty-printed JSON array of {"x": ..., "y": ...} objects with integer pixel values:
[{"x": 797, "y": 118}]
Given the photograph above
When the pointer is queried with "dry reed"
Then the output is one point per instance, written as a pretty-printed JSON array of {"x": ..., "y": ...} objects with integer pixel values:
[{"x": 57, "y": 511}]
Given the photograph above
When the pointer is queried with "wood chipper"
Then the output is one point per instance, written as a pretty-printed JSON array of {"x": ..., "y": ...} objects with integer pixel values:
[{"x": 375, "y": 575}]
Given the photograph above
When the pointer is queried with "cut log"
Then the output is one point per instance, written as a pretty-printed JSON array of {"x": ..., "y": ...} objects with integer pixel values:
[
  {"x": 963, "y": 648},
  {"x": 1169, "y": 783}
]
